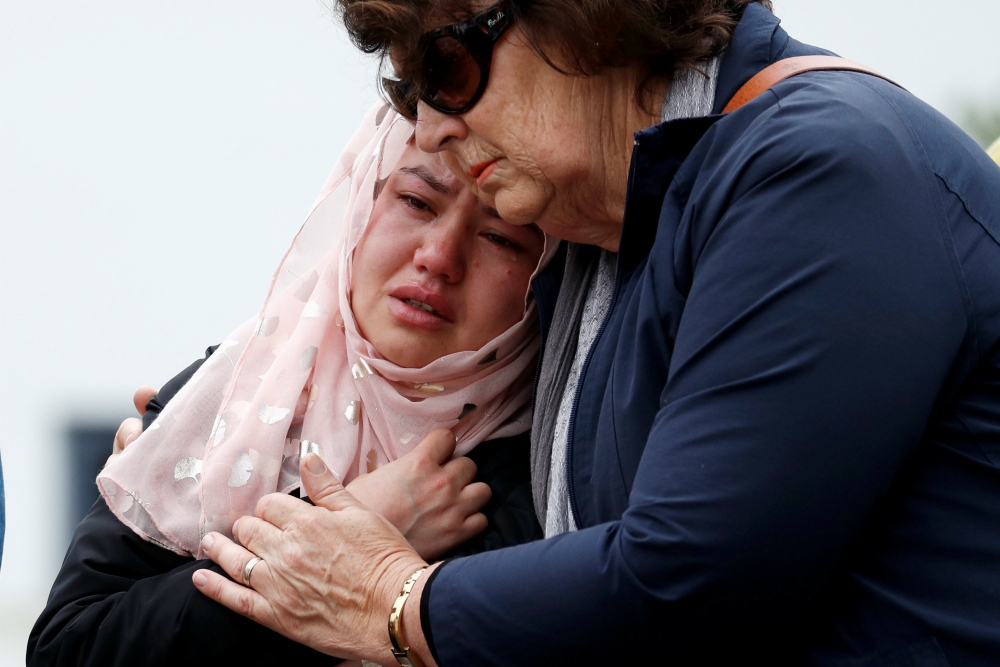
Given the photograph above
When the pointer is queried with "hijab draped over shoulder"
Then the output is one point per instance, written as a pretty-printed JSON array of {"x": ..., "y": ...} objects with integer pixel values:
[{"x": 299, "y": 377}]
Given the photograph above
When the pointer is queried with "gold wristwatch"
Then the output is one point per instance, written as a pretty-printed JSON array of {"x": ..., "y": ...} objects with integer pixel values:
[{"x": 402, "y": 654}]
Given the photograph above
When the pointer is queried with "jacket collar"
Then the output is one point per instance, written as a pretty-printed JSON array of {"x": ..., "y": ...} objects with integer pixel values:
[
  {"x": 753, "y": 47},
  {"x": 660, "y": 150},
  {"x": 658, "y": 153}
]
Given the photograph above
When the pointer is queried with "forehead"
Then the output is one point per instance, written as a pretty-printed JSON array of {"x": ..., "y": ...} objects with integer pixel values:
[{"x": 415, "y": 159}]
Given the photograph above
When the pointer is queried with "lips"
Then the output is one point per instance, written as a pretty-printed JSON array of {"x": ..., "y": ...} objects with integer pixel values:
[
  {"x": 422, "y": 306},
  {"x": 480, "y": 172}
]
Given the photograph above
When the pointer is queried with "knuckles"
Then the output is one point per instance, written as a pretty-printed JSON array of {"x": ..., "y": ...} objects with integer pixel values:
[
  {"x": 247, "y": 530},
  {"x": 264, "y": 505},
  {"x": 294, "y": 558},
  {"x": 327, "y": 491},
  {"x": 236, "y": 565},
  {"x": 440, "y": 484},
  {"x": 244, "y": 604},
  {"x": 311, "y": 522},
  {"x": 417, "y": 463},
  {"x": 476, "y": 523}
]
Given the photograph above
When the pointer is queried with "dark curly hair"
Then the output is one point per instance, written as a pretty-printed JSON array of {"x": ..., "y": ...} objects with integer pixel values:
[{"x": 580, "y": 37}]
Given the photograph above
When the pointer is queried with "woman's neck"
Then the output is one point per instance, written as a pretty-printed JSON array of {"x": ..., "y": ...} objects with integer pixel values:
[{"x": 618, "y": 116}]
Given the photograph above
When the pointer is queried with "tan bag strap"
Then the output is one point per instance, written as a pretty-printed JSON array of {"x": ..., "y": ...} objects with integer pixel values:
[{"x": 785, "y": 69}]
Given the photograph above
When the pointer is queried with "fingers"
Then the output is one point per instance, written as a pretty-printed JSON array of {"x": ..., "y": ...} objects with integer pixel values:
[
  {"x": 142, "y": 396},
  {"x": 257, "y": 533},
  {"x": 242, "y": 600},
  {"x": 474, "y": 497},
  {"x": 323, "y": 487},
  {"x": 231, "y": 556},
  {"x": 462, "y": 469},
  {"x": 439, "y": 445},
  {"x": 473, "y": 525},
  {"x": 130, "y": 429}
]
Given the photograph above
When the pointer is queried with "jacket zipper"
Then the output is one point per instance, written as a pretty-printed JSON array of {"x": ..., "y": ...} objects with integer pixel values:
[
  {"x": 570, "y": 432},
  {"x": 541, "y": 353}
]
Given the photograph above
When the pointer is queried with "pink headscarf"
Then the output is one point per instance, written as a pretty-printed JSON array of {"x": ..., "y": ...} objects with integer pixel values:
[{"x": 300, "y": 378}]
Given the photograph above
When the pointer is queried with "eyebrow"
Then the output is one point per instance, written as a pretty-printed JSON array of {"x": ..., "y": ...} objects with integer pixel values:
[
  {"x": 424, "y": 174},
  {"x": 489, "y": 210}
]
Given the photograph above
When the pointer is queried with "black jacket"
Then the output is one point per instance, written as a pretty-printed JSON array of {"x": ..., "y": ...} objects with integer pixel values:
[{"x": 119, "y": 600}]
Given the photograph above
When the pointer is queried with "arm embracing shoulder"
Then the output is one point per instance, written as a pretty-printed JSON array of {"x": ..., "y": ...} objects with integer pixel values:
[{"x": 822, "y": 317}]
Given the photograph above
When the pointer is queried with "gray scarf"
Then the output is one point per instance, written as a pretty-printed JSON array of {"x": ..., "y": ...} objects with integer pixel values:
[{"x": 691, "y": 94}]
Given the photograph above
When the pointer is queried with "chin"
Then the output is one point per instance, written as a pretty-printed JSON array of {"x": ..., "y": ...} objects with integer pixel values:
[
  {"x": 519, "y": 205},
  {"x": 408, "y": 352}
]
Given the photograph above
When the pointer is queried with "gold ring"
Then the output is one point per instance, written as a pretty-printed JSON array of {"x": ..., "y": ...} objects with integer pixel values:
[{"x": 248, "y": 569}]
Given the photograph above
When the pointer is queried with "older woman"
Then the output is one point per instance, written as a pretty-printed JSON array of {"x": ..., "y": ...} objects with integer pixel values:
[{"x": 766, "y": 424}]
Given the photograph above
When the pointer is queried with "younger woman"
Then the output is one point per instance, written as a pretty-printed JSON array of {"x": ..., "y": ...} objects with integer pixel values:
[{"x": 402, "y": 308}]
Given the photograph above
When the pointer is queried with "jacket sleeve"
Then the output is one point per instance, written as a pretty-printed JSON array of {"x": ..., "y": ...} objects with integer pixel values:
[
  {"x": 119, "y": 600},
  {"x": 823, "y": 312}
]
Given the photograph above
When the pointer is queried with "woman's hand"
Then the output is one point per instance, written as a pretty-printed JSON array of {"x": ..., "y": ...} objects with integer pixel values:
[
  {"x": 328, "y": 576},
  {"x": 131, "y": 428},
  {"x": 428, "y": 496}
]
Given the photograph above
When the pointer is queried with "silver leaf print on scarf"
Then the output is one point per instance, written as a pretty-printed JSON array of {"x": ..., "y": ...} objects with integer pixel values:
[
  {"x": 240, "y": 474},
  {"x": 313, "y": 309},
  {"x": 188, "y": 467},
  {"x": 307, "y": 358},
  {"x": 272, "y": 414},
  {"x": 352, "y": 413},
  {"x": 267, "y": 326},
  {"x": 220, "y": 432}
]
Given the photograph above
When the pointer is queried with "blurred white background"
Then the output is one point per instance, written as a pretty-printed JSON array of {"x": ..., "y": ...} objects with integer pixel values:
[{"x": 155, "y": 160}]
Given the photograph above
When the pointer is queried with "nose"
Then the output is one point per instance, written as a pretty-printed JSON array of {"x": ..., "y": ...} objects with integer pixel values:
[
  {"x": 442, "y": 253},
  {"x": 435, "y": 129}
]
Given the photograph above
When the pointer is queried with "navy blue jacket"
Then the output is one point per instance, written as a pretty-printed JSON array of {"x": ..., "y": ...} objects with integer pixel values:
[{"x": 786, "y": 442}]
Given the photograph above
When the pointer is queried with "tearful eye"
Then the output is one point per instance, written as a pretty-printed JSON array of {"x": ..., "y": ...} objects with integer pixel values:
[
  {"x": 502, "y": 242},
  {"x": 415, "y": 203}
]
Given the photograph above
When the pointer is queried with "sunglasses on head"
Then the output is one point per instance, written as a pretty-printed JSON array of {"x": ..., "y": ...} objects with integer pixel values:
[{"x": 455, "y": 67}]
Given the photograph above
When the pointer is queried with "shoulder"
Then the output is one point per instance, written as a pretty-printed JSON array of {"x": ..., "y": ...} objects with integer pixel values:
[
  {"x": 823, "y": 166},
  {"x": 818, "y": 136},
  {"x": 875, "y": 135},
  {"x": 843, "y": 118}
]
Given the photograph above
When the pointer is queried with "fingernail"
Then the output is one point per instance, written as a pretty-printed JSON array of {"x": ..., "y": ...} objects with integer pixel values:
[
  {"x": 129, "y": 438},
  {"x": 315, "y": 465},
  {"x": 199, "y": 578},
  {"x": 208, "y": 540}
]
